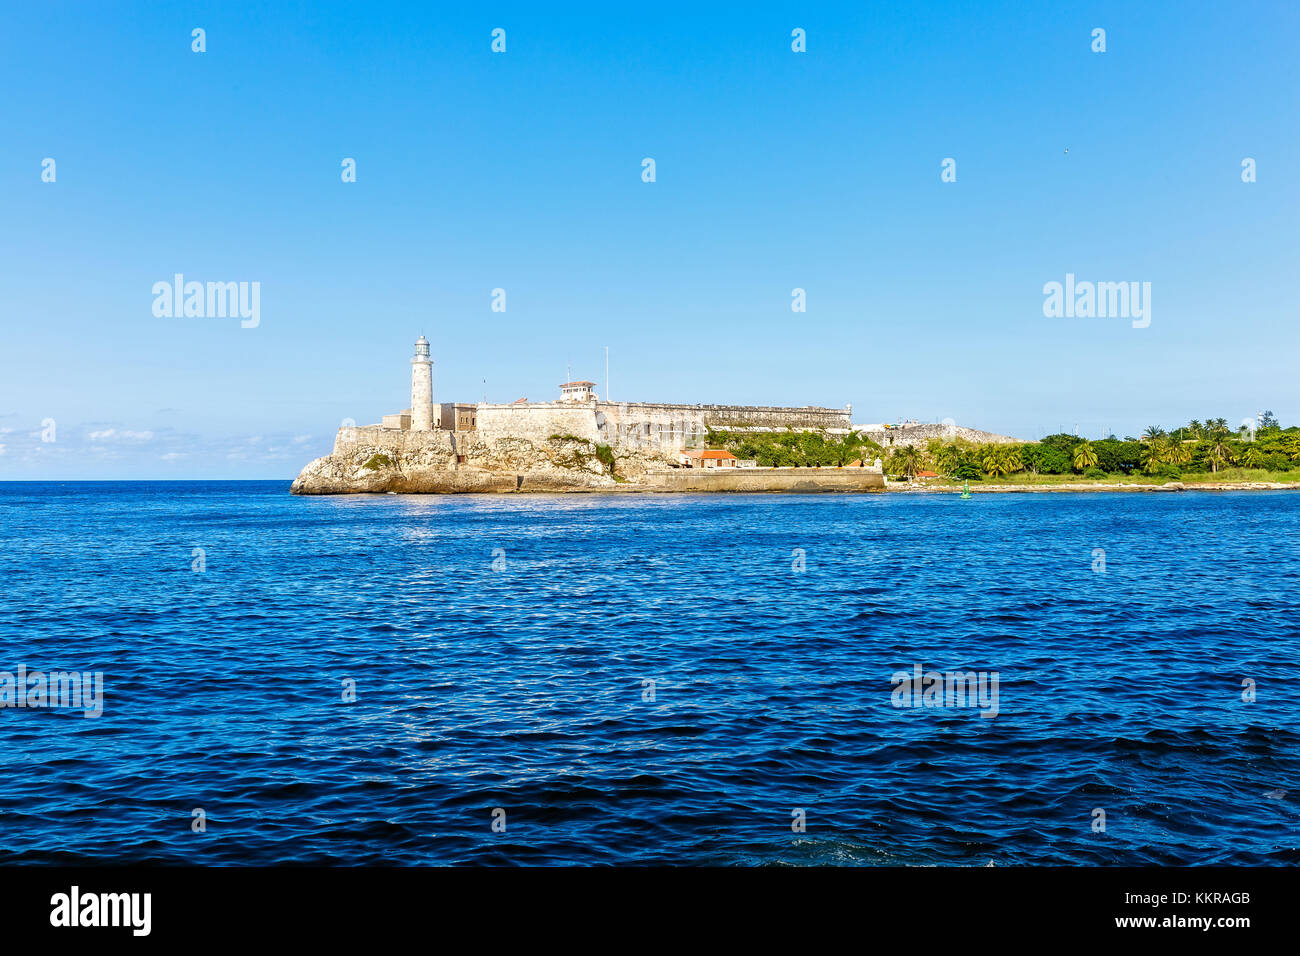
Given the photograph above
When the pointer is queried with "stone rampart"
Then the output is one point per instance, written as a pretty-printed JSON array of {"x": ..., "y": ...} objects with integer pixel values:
[
  {"x": 537, "y": 421},
  {"x": 921, "y": 434}
]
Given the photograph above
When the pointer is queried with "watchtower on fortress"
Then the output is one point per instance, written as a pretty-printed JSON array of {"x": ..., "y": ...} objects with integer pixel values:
[{"x": 578, "y": 392}]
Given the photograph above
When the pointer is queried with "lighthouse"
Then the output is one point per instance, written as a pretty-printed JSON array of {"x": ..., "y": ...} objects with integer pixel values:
[{"x": 421, "y": 387}]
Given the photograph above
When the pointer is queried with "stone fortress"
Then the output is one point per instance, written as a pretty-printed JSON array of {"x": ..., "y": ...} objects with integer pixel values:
[
  {"x": 576, "y": 442},
  {"x": 579, "y": 411}
]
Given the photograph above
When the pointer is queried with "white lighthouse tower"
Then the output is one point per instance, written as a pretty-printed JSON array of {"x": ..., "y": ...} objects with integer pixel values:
[{"x": 421, "y": 387}]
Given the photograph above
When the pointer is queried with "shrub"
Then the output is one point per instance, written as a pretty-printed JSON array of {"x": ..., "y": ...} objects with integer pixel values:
[
  {"x": 966, "y": 470},
  {"x": 605, "y": 455}
]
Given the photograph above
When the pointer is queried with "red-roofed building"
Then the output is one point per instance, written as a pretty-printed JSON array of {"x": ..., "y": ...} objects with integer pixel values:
[{"x": 708, "y": 458}]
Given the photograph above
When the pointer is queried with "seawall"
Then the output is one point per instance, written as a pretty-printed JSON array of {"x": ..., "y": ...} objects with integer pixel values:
[{"x": 764, "y": 480}]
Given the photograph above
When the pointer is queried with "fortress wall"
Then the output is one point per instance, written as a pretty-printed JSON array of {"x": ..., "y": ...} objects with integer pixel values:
[
  {"x": 641, "y": 426},
  {"x": 767, "y": 416},
  {"x": 655, "y": 428},
  {"x": 668, "y": 428},
  {"x": 921, "y": 434},
  {"x": 397, "y": 441},
  {"x": 537, "y": 422}
]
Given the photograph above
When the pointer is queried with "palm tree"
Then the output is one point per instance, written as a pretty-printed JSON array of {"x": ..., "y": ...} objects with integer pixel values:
[
  {"x": 1253, "y": 457},
  {"x": 1195, "y": 429},
  {"x": 998, "y": 460},
  {"x": 907, "y": 460},
  {"x": 1219, "y": 452},
  {"x": 990, "y": 460},
  {"x": 846, "y": 449},
  {"x": 1013, "y": 460},
  {"x": 946, "y": 458},
  {"x": 1154, "y": 454},
  {"x": 1084, "y": 456},
  {"x": 1152, "y": 433}
]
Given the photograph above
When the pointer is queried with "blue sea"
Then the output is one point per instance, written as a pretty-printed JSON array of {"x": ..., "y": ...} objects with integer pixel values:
[{"x": 650, "y": 679}]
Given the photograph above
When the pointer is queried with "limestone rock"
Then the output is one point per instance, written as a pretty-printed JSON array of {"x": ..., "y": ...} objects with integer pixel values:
[{"x": 374, "y": 460}]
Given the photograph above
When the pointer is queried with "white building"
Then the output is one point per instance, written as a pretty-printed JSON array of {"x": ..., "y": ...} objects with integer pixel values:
[{"x": 578, "y": 392}]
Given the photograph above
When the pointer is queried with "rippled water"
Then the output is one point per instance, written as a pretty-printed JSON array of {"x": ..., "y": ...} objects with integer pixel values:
[{"x": 501, "y": 648}]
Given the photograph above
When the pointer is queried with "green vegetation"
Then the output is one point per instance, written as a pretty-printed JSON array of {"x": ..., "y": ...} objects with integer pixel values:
[
  {"x": 378, "y": 461},
  {"x": 788, "y": 448},
  {"x": 1206, "y": 449},
  {"x": 1209, "y": 448},
  {"x": 907, "y": 461},
  {"x": 999, "y": 460},
  {"x": 605, "y": 455},
  {"x": 1083, "y": 457}
]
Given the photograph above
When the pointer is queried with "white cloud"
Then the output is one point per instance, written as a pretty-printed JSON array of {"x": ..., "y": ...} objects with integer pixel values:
[{"x": 112, "y": 434}]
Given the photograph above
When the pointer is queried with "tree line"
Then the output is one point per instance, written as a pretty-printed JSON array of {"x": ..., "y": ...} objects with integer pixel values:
[{"x": 1197, "y": 447}]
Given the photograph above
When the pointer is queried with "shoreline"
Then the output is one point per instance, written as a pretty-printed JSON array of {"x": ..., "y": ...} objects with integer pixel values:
[
  {"x": 893, "y": 488},
  {"x": 1091, "y": 486}
]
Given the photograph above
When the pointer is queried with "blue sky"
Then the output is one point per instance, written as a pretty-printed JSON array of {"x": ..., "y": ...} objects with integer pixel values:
[{"x": 522, "y": 170}]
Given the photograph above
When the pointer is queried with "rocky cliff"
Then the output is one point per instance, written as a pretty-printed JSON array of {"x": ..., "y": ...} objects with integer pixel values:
[{"x": 371, "y": 459}]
